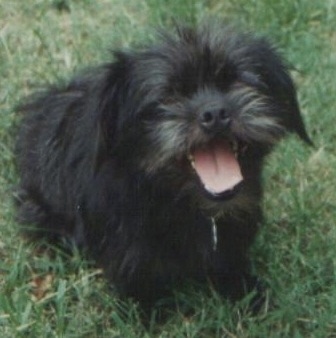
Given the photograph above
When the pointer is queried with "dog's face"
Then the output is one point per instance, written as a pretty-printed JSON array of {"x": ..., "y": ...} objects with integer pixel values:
[{"x": 200, "y": 111}]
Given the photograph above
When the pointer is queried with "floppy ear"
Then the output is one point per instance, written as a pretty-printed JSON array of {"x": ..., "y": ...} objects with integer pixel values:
[
  {"x": 281, "y": 87},
  {"x": 295, "y": 122},
  {"x": 285, "y": 91},
  {"x": 110, "y": 97}
]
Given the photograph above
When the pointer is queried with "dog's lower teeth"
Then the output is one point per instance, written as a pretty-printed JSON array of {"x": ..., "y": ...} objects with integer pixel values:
[
  {"x": 191, "y": 160},
  {"x": 235, "y": 147}
]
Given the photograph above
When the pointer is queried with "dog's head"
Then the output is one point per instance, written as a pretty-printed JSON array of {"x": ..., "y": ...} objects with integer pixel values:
[{"x": 202, "y": 108}]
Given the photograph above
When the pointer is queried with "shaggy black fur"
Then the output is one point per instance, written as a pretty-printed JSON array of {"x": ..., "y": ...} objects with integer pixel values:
[{"x": 107, "y": 159}]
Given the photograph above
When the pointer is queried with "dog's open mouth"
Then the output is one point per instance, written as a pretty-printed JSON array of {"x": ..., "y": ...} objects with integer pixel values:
[{"x": 217, "y": 167}]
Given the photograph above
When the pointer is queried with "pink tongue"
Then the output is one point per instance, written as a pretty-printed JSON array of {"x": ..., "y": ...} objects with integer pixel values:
[{"x": 217, "y": 167}]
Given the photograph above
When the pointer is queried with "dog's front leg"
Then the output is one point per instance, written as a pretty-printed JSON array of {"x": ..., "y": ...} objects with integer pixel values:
[{"x": 231, "y": 273}]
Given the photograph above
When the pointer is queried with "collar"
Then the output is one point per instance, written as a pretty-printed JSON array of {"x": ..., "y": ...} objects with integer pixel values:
[{"x": 214, "y": 234}]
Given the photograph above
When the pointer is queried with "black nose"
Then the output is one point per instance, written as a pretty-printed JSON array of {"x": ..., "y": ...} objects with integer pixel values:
[{"x": 214, "y": 120}]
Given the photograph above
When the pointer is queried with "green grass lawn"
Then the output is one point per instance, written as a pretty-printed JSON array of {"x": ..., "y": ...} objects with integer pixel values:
[{"x": 47, "y": 293}]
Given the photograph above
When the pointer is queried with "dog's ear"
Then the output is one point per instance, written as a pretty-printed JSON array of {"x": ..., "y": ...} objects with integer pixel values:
[
  {"x": 276, "y": 76},
  {"x": 111, "y": 98},
  {"x": 285, "y": 90}
]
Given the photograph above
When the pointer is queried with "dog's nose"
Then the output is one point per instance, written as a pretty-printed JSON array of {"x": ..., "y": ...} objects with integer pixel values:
[{"x": 215, "y": 120}]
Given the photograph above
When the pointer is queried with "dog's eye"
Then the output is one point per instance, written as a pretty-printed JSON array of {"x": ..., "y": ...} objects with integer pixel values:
[
  {"x": 148, "y": 115},
  {"x": 252, "y": 79},
  {"x": 225, "y": 76},
  {"x": 151, "y": 114}
]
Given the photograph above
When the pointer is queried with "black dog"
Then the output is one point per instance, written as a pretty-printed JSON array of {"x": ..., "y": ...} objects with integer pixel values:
[{"x": 153, "y": 162}]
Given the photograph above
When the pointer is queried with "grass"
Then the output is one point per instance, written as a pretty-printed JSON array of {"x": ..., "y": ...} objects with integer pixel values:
[{"x": 47, "y": 293}]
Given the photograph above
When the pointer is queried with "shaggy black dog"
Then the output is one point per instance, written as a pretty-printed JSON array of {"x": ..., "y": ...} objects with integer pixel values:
[{"x": 153, "y": 162}]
